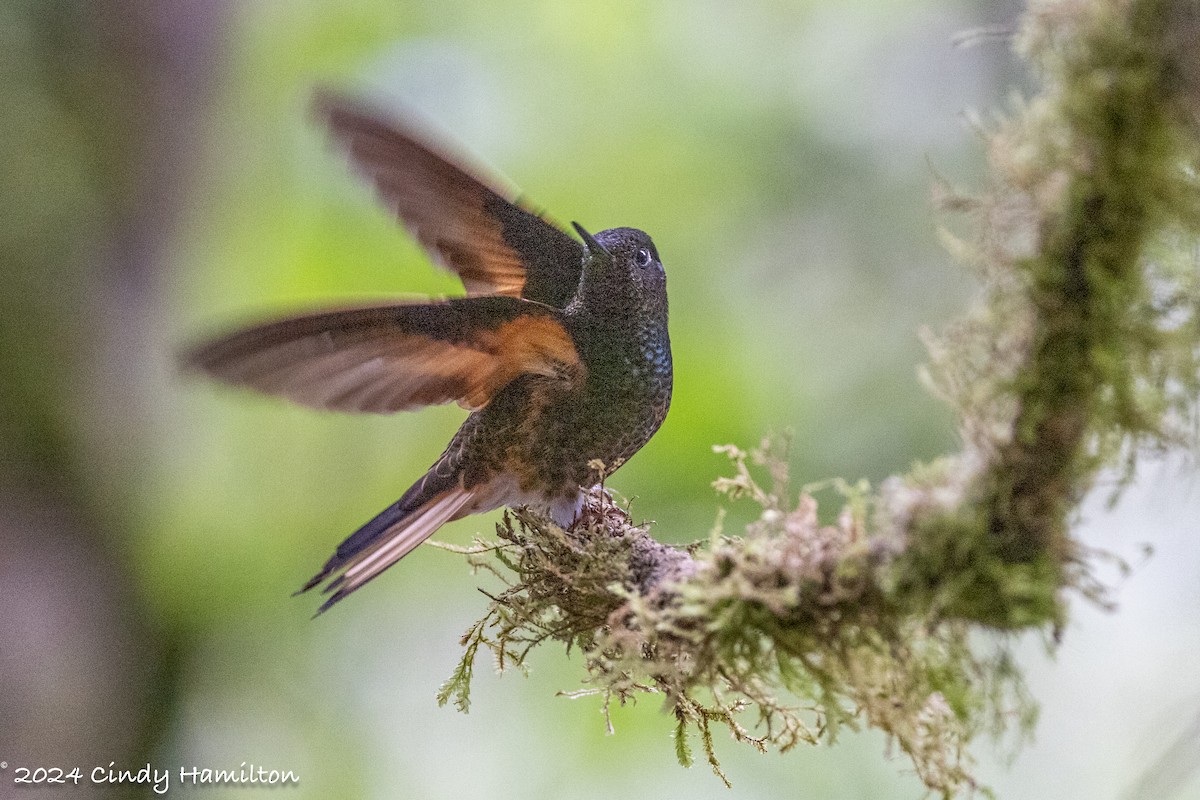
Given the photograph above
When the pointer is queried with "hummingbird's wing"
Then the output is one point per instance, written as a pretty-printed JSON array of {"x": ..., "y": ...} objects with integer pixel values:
[
  {"x": 494, "y": 245},
  {"x": 390, "y": 358}
]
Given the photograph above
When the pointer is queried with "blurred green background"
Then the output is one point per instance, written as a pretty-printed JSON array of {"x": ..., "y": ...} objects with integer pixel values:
[{"x": 161, "y": 179}]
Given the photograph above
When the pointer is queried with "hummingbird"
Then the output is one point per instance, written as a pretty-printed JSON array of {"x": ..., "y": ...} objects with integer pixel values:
[{"x": 560, "y": 349}]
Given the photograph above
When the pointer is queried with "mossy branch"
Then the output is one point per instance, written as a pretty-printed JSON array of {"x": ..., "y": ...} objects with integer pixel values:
[{"x": 1084, "y": 351}]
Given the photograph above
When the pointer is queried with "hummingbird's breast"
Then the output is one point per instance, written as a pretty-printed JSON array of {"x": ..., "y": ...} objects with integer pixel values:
[
  {"x": 548, "y": 435},
  {"x": 626, "y": 394}
]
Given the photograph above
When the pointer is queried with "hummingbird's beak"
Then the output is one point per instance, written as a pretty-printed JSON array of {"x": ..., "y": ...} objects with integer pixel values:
[{"x": 594, "y": 247}]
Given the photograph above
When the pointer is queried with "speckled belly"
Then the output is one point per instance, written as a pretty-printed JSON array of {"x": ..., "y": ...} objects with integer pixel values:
[{"x": 545, "y": 438}]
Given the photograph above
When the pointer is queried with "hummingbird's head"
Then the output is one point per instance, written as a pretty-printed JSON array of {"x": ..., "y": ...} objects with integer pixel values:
[{"x": 622, "y": 272}]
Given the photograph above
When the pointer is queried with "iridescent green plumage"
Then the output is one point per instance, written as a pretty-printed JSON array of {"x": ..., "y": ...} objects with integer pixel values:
[{"x": 561, "y": 351}]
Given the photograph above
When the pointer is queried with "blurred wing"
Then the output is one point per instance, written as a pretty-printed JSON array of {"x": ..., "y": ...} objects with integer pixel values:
[
  {"x": 396, "y": 357},
  {"x": 495, "y": 246}
]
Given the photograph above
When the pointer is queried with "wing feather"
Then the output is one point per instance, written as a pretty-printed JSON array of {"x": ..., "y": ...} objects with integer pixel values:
[
  {"x": 494, "y": 245},
  {"x": 391, "y": 358}
]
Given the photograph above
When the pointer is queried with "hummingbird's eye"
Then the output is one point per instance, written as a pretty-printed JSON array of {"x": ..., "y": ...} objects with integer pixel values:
[{"x": 642, "y": 257}]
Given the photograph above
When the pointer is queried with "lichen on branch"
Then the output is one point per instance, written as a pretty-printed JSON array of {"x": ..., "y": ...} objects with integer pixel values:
[
  {"x": 1083, "y": 352},
  {"x": 783, "y": 636}
]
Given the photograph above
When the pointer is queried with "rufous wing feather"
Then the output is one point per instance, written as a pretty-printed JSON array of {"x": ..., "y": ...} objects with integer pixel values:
[{"x": 392, "y": 358}]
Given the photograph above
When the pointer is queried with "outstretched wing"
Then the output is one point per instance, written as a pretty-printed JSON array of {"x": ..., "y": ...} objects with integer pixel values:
[
  {"x": 391, "y": 358},
  {"x": 494, "y": 245}
]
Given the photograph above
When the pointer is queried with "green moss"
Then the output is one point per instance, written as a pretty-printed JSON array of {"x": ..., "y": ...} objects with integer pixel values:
[
  {"x": 786, "y": 635},
  {"x": 953, "y": 568}
]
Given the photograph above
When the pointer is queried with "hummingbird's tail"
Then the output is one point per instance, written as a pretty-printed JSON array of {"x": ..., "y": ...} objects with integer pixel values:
[{"x": 391, "y": 535}]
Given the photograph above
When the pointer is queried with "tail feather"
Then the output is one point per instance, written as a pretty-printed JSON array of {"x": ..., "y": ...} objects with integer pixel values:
[{"x": 387, "y": 538}]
